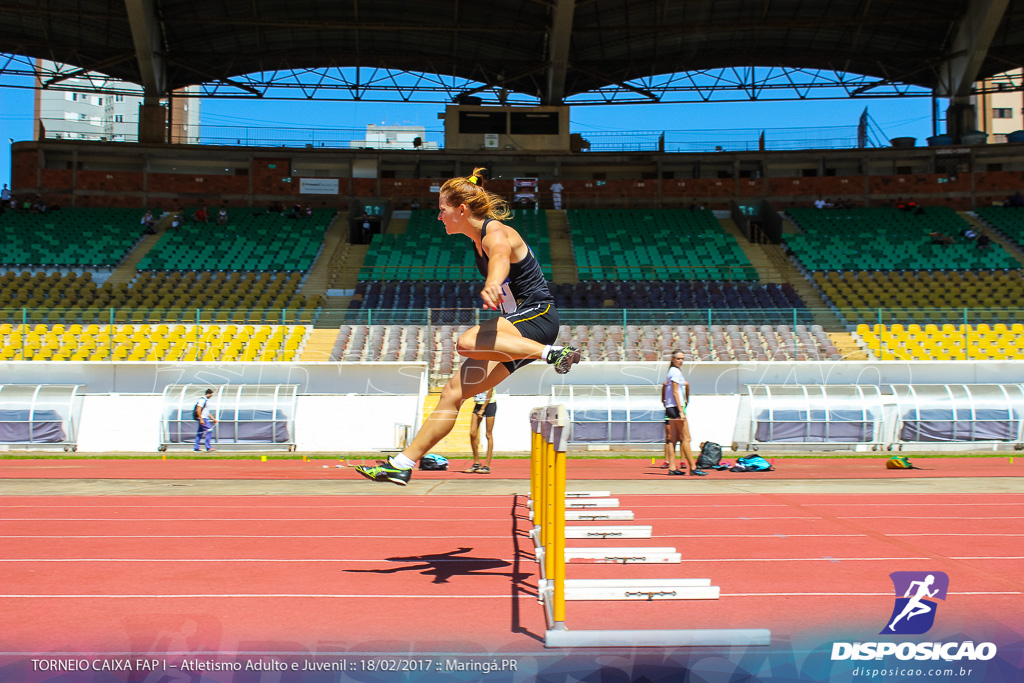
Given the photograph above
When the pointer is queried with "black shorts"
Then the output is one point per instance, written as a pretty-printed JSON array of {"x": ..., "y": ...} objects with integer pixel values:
[
  {"x": 490, "y": 411},
  {"x": 539, "y": 323},
  {"x": 672, "y": 413}
]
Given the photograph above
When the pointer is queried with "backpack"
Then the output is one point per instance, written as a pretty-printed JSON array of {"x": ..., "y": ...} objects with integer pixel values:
[
  {"x": 752, "y": 463},
  {"x": 899, "y": 462},
  {"x": 710, "y": 455},
  {"x": 432, "y": 461}
]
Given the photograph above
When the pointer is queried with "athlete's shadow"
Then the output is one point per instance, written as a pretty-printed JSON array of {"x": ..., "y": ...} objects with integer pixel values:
[{"x": 444, "y": 566}]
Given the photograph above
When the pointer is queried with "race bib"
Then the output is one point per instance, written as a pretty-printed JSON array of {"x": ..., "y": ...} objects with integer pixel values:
[{"x": 508, "y": 302}]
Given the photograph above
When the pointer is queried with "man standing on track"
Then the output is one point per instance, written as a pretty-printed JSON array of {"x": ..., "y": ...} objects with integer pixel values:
[
  {"x": 206, "y": 420},
  {"x": 484, "y": 410},
  {"x": 494, "y": 349}
]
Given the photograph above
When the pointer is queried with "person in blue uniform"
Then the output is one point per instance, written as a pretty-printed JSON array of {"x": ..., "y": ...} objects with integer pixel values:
[{"x": 525, "y": 330}]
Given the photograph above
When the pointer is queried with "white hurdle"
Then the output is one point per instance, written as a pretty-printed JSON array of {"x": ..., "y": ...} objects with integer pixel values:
[{"x": 549, "y": 500}]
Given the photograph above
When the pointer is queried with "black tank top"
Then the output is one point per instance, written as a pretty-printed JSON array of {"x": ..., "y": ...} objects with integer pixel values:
[{"x": 525, "y": 278}]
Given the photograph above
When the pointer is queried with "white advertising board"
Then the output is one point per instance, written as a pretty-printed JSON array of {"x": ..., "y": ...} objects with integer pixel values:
[{"x": 318, "y": 185}]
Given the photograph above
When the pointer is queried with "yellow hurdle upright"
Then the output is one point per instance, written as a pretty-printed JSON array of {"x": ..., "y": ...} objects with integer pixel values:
[
  {"x": 547, "y": 491},
  {"x": 548, "y": 445}
]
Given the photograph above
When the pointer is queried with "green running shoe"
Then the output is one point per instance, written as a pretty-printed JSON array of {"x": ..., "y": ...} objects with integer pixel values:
[
  {"x": 386, "y": 472},
  {"x": 564, "y": 358}
]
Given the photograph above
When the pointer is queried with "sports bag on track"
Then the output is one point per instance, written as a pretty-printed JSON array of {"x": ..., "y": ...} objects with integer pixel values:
[
  {"x": 752, "y": 463},
  {"x": 710, "y": 455},
  {"x": 432, "y": 461},
  {"x": 899, "y": 462}
]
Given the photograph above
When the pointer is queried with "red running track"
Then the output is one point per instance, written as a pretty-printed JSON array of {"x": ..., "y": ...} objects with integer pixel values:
[
  {"x": 440, "y": 574},
  {"x": 639, "y": 469}
]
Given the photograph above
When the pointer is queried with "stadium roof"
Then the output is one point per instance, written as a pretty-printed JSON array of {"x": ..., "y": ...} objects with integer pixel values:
[{"x": 551, "y": 50}]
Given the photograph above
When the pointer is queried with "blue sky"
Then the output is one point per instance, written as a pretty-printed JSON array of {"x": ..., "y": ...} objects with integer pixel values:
[{"x": 896, "y": 117}]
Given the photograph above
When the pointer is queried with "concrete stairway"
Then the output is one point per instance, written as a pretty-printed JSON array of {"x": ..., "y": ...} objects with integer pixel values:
[
  {"x": 318, "y": 345},
  {"x": 847, "y": 346},
  {"x": 125, "y": 271},
  {"x": 396, "y": 226},
  {"x": 563, "y": 265},
  {"x": 997, "y": 237},
  {"x": 345, "y": 270},
  {"x": 767, "y": 272},
  {"x": 335, "y": 245},
  {"x": 822, "y": 315}
]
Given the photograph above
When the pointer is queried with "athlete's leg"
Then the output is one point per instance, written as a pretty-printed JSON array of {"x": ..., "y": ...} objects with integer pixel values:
[
  {"x": 497, "y": 339},
  {"x": 474, "y": 436},
  {"x": 490, "y": 441},
  {"x": 474, "y": 377},
  {"x": 670, "y": 448},
  {"x": 682, "y": 427}
]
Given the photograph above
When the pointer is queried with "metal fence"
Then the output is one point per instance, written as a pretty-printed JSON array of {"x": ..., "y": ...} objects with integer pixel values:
[
  {"x": 830, "y": 318},
  {"x": 713, "y": 140}
]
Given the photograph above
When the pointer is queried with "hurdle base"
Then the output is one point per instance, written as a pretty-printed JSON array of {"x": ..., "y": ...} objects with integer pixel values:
[
  {"x": 616, "y": 515},
  {"x": 588, "y": 503},
  {"x": 602, "y": 532},
  {"x": 598, "y": 532},
  {"x": 658, "y": 638},
  {"x": 599, "y": 515},
  {"x": 623, "y": 555},
  {"x": 632, "y": 589}
]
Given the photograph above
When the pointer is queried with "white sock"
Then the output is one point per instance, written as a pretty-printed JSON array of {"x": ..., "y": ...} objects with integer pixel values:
[
  {"x": 402, "y": 462},
  {"x": 548, "y": 348}
]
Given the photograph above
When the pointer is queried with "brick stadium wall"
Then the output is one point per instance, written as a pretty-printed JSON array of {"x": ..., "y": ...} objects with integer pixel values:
[{"x": 272, "y": 178}]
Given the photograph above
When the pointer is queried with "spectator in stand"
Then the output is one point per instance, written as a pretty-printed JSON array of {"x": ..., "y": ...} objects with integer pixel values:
[
  {"x": 556, "y": 194},
  {"x": 1017, "y": 200},
  {"x": 901, "y": 205},
  {"x": 147, "y": 223},
  {"x": 940, "y": 238},
  {"x": 202, "y": 215},
  {"x": 984, "y": 241},
  {"x": 366, "y": 227},
  {"x": 5, "y": 198},
  {"x": 819, "y": 203},
  {"x": 222, "y": 215},
  {"x": 307, "y": 211}
]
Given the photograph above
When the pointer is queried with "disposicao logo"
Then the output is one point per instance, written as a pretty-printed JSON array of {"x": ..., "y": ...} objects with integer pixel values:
[{"x": 914, "y": 612}]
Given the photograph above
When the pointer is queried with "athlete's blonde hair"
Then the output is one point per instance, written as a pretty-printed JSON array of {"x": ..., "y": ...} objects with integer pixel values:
[{"x": 470, "y": 191}]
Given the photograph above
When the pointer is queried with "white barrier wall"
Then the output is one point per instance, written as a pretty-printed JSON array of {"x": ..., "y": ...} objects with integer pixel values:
[
  {"x": 355, "y": 406},
  {"x": 139, "y": 377},
  {"x": 131, "y": 422}
]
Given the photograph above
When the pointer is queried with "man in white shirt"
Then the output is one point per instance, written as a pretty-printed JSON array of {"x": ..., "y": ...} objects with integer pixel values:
[
  {"x": 206, "y": 419},
  {"x": 556, "y": 194}
]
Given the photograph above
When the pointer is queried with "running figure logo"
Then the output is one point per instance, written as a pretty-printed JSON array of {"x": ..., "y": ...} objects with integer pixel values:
[{"x": 914, "y": 613}]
